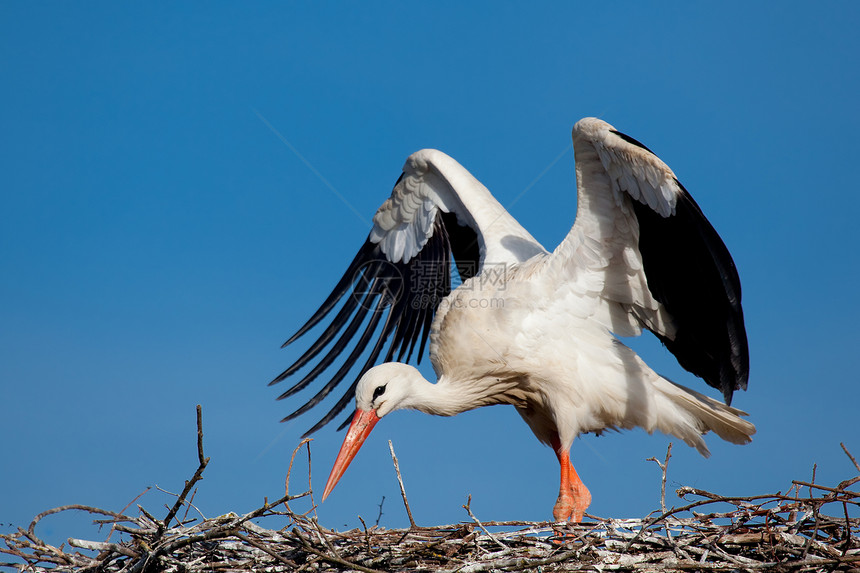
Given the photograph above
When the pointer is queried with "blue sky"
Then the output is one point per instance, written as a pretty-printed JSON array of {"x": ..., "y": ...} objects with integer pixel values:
[{"x": 159, "y": 239}]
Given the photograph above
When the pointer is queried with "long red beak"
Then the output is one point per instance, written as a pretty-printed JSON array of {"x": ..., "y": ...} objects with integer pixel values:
[{"x": 362, "y": 424}]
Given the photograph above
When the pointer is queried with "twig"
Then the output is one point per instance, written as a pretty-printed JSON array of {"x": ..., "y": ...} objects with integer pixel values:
[
  {"x": 664, "y": 466},
  {"x": 468, "y": 508},
  {"x": 290, "y": 469},
  {"x": 324, "y": 539},
  {"x": 847, "y": 453},
  {"x": 198, "y": 475},
  {"x": 268, "y": 507},
  {"x": 402, "y": 489},
  {"x": 845, "y": 483},
  {"x": 148, "y": 515},
  {"x": 201, "y": 459},
  {"x": 814, "y": 533},
  {"x": 188, "y": 502},
  {"x": 310, "y": 488},
  {"x": 825, "y": 488},
  {"x": 102, "y": 546},
  {"x": 378, "y": 517},
  {"x": 31, "y": 530},
  {"x": 366, "y": 532},
  {"x": 189, "y": 505},
  {"x": 122, "y": 511}
]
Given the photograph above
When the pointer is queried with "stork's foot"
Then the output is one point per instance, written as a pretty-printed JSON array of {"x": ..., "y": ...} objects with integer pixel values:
[
  {"x": 573, "y": 497},
  {"x": 563, "y": 508},
  {"x": 572, "y": 503}
]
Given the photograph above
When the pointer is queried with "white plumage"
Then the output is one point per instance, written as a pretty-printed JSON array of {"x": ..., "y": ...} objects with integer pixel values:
[{"x": 534, "y": 329}]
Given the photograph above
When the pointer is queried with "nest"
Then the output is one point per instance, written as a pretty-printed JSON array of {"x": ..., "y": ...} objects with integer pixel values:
[{"x": 810, "y": 528}]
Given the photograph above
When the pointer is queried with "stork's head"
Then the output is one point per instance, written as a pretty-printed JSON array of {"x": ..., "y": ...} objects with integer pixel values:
[
  {"x": 381, "y": 390},
  {"x": 386, "y": 388}
]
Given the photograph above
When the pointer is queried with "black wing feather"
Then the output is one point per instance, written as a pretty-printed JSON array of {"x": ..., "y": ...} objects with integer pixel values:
[
  {"x": 330, "y": 332},
  {"x": 348, "y": 363},
  {"x": 410, "y": 294},
  {"x": 336, "y": 350},
  {"x": 348, "y": 394},
  {"x": 342, "y": 286},
  {"x": 691, "y": 273}
]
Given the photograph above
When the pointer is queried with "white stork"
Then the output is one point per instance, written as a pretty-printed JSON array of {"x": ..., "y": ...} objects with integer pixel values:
[{"x": 537, "y": 329}]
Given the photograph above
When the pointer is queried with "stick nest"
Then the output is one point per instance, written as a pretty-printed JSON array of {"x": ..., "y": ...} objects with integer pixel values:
[{"x": 810, "y": 528}]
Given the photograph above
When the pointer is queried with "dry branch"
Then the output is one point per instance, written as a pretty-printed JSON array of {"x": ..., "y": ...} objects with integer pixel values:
[
  {"x": 402, "y": 487},
  {"x": 198, "y": 475},
  {"x": 665, "y": 468}
]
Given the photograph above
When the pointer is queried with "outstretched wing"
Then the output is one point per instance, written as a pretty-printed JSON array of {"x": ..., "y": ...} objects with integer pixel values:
[
  {"x": 658, "y": 262},
  {"x": 400, "y": 275}
]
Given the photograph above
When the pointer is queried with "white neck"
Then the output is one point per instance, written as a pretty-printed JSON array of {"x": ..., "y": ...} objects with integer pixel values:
[{"x": 449, "y": 398}]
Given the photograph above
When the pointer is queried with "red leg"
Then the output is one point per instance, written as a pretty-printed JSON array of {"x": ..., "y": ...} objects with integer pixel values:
[{"x": 573, "y": 497}]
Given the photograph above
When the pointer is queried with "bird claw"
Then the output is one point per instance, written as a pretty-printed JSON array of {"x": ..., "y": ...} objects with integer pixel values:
[
  {"x": 571, "y": 504},
  {"x": 562, "y": 510},
  {"x": 570, "y": 508}
]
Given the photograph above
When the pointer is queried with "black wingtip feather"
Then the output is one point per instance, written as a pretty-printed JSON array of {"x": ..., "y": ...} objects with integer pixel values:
[
  {"x": 337, "y": 324},
  {"x": 691, "y": 273},
  {"x": 336, "y": 294},
  {"x": 374, "y": 354},
  {"x": 335, "y": 351},
  {"x": 410, "y": 315}
]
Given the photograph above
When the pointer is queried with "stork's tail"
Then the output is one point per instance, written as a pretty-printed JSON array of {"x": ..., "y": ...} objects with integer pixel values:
[{"x": 705, "y": 414}]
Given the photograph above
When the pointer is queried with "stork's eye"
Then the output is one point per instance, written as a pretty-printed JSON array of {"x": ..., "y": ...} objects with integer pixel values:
[{"x": 378, "y": 391}]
